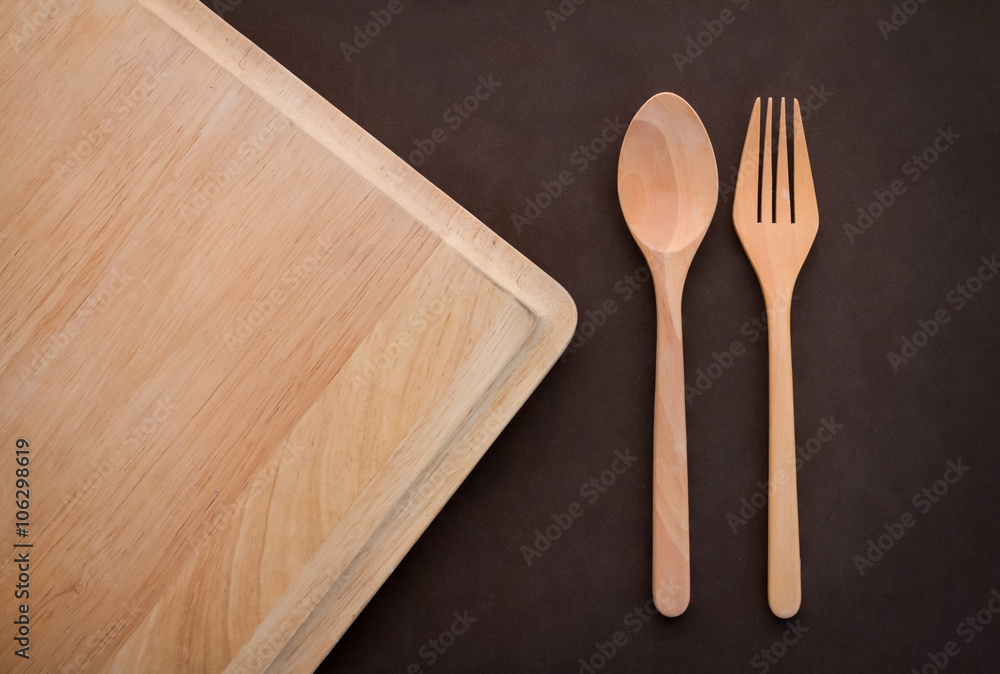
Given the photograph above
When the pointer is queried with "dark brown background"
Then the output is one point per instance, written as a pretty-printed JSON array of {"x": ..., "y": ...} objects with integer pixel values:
[{"x": 855, "y": 302}]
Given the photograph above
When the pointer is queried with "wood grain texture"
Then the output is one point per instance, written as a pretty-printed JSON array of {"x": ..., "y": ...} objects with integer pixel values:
[
  {"x": 668, "y": 186},
  {"x": 777, "y": 245},
  {"x": 252, "y": 350}
]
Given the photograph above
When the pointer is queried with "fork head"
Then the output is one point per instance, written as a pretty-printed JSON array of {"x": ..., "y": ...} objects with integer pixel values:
[{"x": 776, "y": 240}]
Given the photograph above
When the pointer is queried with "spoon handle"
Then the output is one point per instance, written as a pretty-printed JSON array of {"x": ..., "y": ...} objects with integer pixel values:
[
  {"x": 784, "y": 574},
  {"x": 671, "y": 544}
]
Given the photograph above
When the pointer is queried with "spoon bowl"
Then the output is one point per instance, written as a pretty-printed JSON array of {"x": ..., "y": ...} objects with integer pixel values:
[
  {"x": 668, "y": 186},
  {"x": 668, "y": 183}
]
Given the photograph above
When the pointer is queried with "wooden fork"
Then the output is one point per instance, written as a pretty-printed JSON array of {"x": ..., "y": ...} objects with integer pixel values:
[{"x": 777, "y": 247}]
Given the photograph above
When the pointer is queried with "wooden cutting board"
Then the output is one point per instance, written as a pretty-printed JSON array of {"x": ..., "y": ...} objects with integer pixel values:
[{"x": 247, "y": 353}]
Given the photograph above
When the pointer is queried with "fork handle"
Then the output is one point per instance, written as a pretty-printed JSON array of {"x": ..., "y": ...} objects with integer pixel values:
[
  {"x": 671, "y": 544},
  {"x": 784, "y": 573}
]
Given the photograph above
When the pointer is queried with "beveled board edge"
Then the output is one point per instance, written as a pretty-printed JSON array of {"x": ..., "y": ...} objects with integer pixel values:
[
  {"x": 554, "y": 311},
  {"x": 376, "y": 163}
]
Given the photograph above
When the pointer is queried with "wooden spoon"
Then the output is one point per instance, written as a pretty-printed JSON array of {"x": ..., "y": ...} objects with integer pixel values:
[{"x": 668, "y": 186}]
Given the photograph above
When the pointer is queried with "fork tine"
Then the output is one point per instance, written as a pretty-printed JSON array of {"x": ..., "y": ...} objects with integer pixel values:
[
  {"x": 806, "y": 210},
  {"x": 745, "y": 201},
  {"x": 766, "y": 189},
  {"x": 783, "y": 197}
]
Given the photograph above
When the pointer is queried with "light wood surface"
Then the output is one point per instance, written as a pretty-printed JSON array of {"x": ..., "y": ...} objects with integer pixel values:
[
  {"x": 668, "y": 186},
  {"x": 252, "y": 351},
  {"x": 777, "y": 245}
]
